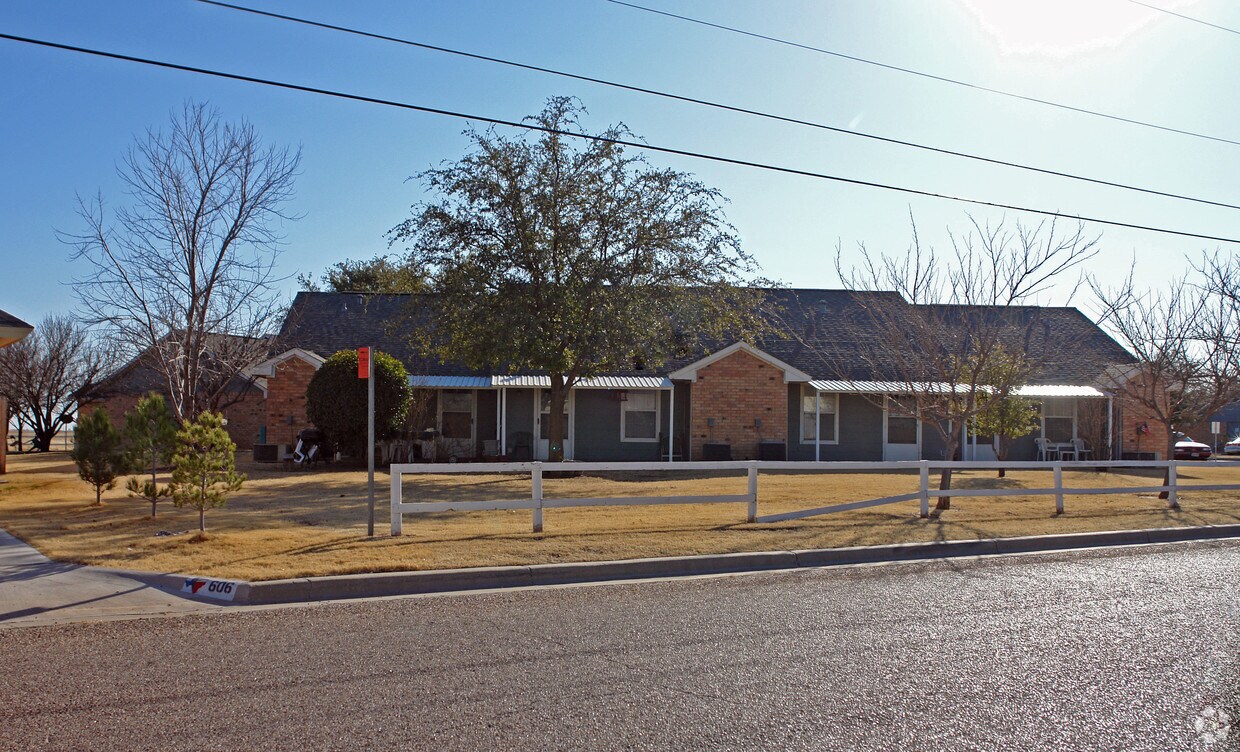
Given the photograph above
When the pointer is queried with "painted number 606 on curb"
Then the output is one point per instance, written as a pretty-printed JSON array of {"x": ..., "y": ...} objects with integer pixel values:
[{"x": 223, "y": 590}]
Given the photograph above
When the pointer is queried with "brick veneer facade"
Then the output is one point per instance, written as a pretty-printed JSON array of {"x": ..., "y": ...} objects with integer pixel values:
[
  {"x": 286, "y": 396},
  {"x": 244, "y": 416},
  {"x": 1133, "y": 414},
  {"x": 737, "y": 391}
]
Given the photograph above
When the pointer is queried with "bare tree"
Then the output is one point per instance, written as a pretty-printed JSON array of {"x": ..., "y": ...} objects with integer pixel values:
[
  {"x": 184, "y": 272},
  {"x": 44, "y": 374},
  {"x": 966, "y": 323},
  {"x": 1185, "y": 340}
]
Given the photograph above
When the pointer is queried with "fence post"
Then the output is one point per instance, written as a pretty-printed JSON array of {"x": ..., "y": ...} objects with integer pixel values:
[
  {"x": 536, "y": 482},
  {"x": 1172, "y": 501},
  {"x": 752, "y": 511},
  {"x": 924, "y": 489},
  {"x": 1058, "y": 488},
  {"x": 397, "y": 517}
]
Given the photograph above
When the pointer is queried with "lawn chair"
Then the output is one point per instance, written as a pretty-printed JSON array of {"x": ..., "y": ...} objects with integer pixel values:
[
  {"x": 1082, "y": 449},
  {"x": 522, "y": 447},
  {"x": 1046, "y": 450},
  {"x": 1063, "y": 450}
]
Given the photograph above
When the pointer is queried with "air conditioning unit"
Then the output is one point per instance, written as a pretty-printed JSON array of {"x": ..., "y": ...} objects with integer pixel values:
[{"x": 266, "y": 452}]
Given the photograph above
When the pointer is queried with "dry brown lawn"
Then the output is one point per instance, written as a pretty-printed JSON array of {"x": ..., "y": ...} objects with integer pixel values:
[{"x": 294, "y": 523}]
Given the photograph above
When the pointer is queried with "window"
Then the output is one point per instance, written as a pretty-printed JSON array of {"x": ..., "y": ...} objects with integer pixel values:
[
  {"x": 1059, "y": 419},
  {"x": 901, "y": 424},
  {"x": 824, "y": 414},
  {"x": 639, "y": 417},
  {"x": 456, "y": 414}
]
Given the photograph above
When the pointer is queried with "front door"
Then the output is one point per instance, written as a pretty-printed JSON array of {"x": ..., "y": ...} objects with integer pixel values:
[
  {"x": 901, "y": 433},
  {"x": 542, "y": 424}
]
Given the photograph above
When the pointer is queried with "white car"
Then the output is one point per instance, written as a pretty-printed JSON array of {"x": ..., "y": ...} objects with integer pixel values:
[
  {"x": 1232, "y": 447},
  {"x": 1188, "y": 449}
]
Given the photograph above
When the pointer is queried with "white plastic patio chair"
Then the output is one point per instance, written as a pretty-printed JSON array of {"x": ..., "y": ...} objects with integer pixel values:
[
  {"x": 1046, "y": 450},
  {"x": 1082, "y": 449}
]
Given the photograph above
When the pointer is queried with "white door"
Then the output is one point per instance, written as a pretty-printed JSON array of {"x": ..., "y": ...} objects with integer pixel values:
[
  {"x": 542, "y": 412},
  {"x": 901, "y": 433}
]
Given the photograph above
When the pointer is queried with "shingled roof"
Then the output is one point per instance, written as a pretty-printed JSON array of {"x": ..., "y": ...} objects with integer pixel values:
[{"x": 826, "y": 333}]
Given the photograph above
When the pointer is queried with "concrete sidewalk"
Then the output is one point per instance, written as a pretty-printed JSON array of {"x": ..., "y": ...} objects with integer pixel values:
[{"x": 35, "y": 590}]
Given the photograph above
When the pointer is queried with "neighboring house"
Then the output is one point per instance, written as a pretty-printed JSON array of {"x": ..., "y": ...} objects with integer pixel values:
[
  {"x": 12, "y": 329},
  {"x": 804, "y": 392},
  {"x": 243, "y": 404}
]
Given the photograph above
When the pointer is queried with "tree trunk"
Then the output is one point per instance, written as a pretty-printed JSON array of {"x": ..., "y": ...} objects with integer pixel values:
[
  {"x": 98, "y": 495},
  {"x": 154, "y": 488},
  {"x": 1001, "y": 455},
  {"x": 945, "y": 482},
  {"x": 202, "y": 519},
  {"x": 555, "y": 419},
  {"x": 945, "y": 478},
  {"x": 1167, "y": 472}
]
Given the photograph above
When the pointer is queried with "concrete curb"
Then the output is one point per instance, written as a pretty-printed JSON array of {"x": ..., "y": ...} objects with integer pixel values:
[{"x": 308, "y": 589}]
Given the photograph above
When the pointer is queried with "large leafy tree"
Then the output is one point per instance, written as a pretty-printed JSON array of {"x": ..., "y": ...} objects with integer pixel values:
[
  {"x": 384, "y": 274},
  {"x": 573, "y": 256}
]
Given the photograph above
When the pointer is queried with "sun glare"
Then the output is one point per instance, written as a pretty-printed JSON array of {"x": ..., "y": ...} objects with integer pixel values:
[{"x": 1060, "y": 28}]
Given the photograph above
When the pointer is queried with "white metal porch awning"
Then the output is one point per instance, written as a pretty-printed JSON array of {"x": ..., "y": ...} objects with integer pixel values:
[
  {"x": 1058, "y": 390},
  {"x": 900, "y": 387},
  {"x": 537, "y": 382}
]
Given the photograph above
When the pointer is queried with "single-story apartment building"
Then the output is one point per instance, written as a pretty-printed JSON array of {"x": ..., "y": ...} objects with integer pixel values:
[{"x": 802, "y": 392}]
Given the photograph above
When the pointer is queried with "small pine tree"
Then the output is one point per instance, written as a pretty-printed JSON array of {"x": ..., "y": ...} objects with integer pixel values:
[
  {"x": 150, "y": 439},
  {"x": 98, "y": 452},
  {"x": 204, "y": 472}
]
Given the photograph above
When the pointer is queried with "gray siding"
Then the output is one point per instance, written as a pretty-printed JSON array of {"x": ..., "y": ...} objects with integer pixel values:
[
  {"x": 860, "y": 431},
  {"x": 520, "y": 416},
  {"x": 597, "y": 429}
]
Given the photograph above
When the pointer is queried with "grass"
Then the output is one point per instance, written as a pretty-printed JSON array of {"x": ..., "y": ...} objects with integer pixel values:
[{"x": 303, "y": 523}]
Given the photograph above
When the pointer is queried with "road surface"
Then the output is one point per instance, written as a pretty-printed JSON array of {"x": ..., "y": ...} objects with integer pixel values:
[{"x": 1107, "y": 649}]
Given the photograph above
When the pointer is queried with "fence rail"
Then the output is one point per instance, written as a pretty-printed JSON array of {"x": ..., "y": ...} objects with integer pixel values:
[{"x": 538, "y": 470}]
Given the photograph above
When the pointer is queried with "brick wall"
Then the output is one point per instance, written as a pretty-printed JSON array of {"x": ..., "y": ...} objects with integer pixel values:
[
  {"x": 244, "y": 417},
  {"x": 737, "y": 391},
  {"x": 286, "y": 396},
  {"x": 1133, "y": 414}
]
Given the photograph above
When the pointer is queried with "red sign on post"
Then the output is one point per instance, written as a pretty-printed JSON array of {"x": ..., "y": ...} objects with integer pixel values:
[{"x": 363, "y": 362}]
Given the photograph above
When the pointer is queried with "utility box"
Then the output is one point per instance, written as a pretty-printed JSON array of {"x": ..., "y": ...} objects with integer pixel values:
[
  {"x": 266, "y": 452},
  {"x": 772, "y": 451}
]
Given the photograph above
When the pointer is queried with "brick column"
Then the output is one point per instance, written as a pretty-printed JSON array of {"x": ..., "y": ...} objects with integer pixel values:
[
  {"x": 737, "y": 392},
  {"x": 286, "y": 401}
]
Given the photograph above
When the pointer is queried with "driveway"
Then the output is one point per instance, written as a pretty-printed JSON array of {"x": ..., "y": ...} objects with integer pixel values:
[{"x": 35, "y": 590}]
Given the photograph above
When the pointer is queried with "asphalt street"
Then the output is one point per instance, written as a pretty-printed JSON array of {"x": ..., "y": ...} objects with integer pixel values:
[{"x": 1103, "y": 649}]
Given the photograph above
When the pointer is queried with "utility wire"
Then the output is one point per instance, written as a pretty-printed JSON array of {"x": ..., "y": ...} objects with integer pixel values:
[
  {"x": 708, "y": 103},
  {"x": 1184, "y": 16},
  {"x": 596, "y": 138},
  {"x": 931, "y": 76}
]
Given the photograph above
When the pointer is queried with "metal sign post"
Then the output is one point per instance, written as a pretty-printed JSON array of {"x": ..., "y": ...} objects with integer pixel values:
[{"x": 365, "y": 370}]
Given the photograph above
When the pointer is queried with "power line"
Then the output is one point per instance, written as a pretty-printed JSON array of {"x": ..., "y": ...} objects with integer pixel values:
[
  {"x": 1184, "y": 16},
  {"x": 708, "y": 103},
  {"x": 596, "y": 138},
  {"x": 931, "y": 76}
]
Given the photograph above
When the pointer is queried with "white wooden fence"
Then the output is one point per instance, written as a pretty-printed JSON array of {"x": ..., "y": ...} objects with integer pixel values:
[{"x": 537, "y": 502}]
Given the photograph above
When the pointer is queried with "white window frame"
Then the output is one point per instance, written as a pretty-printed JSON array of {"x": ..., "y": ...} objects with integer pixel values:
[
  {"x": 473, "y": 413},
  {"x": 658, "y": 416},
  {"x": 834, "y": 398}
]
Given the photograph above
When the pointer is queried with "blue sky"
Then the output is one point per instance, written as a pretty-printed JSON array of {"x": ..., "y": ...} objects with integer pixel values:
[{"x": 67, "y": 119}]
